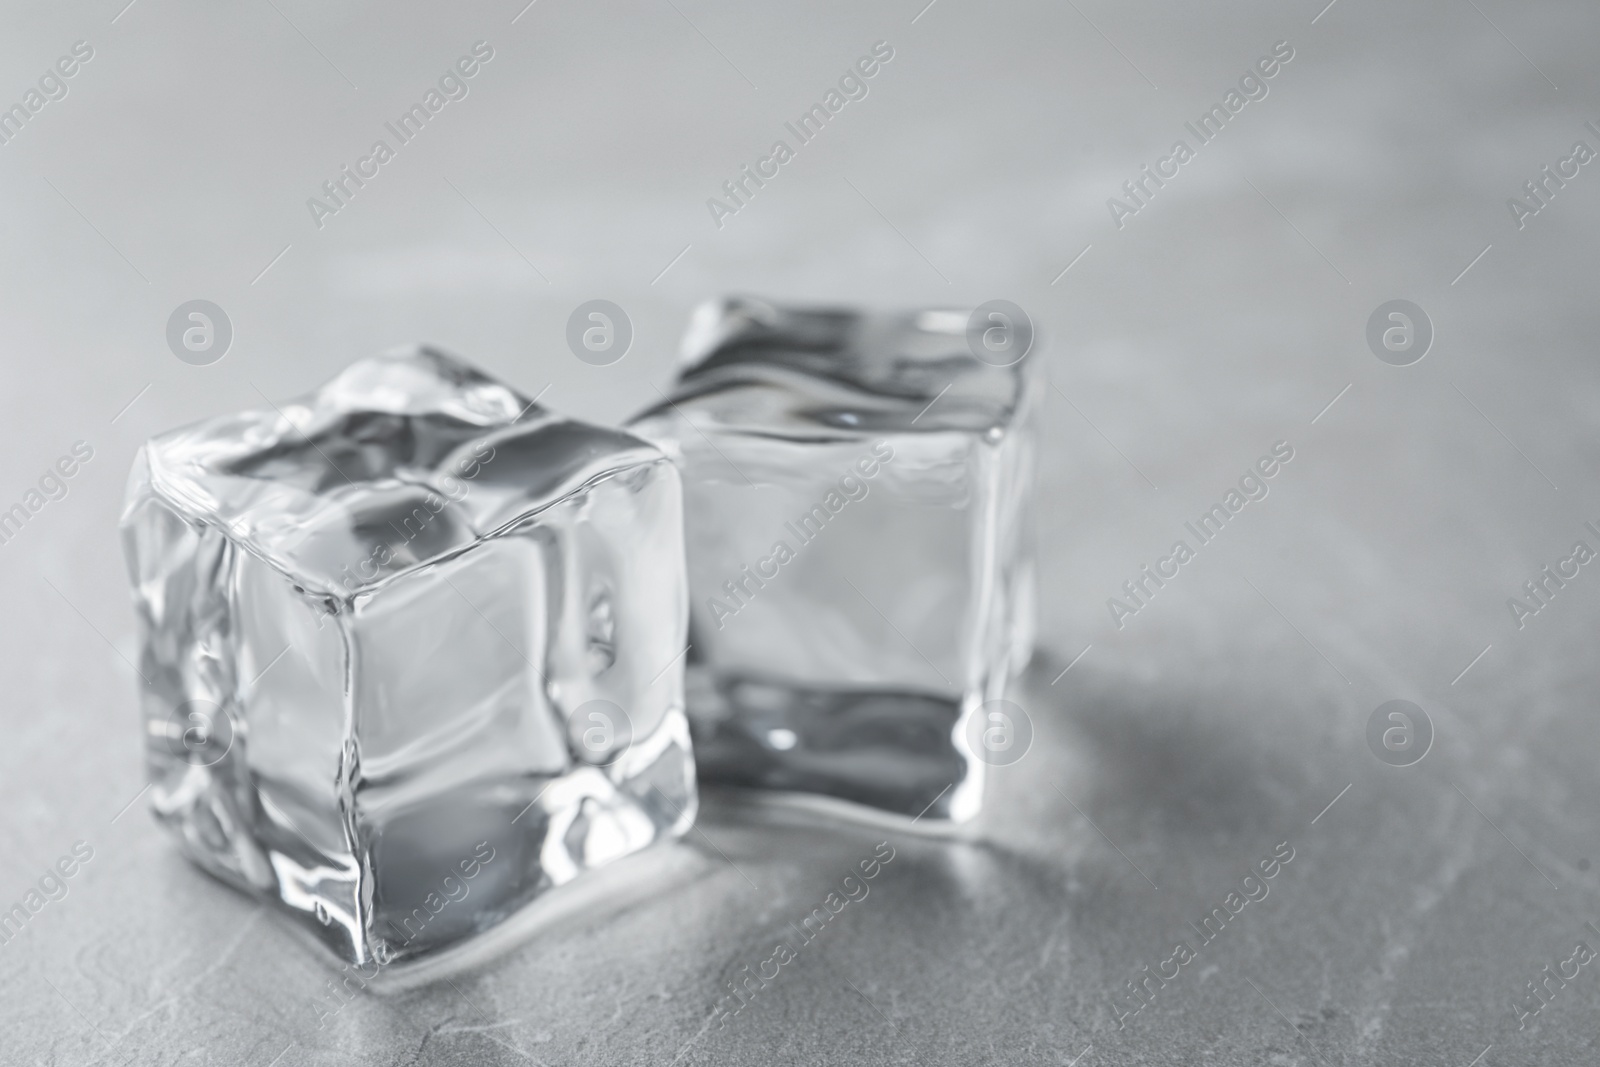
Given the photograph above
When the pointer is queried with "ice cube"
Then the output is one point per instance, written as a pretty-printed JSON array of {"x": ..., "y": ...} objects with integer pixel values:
[
  {"x": 414, "y": 650},
  {"x": 857, "y": 494}
]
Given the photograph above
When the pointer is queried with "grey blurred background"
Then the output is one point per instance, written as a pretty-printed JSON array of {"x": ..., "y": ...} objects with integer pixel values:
[{"x": 1178, "y": 750}]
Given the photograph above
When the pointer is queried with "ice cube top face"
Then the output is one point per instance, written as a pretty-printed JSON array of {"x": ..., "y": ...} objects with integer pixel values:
[
  {"x": 857, "y": 500},
  {"x": 412, "y": 646}
]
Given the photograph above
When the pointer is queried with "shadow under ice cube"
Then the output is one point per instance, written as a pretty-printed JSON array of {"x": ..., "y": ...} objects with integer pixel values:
[
  {"x": 857, "y": 496},
  {"x": 413, "y": 645}
]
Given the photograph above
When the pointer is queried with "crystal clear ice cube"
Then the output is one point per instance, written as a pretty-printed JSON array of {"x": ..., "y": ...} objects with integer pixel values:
[
  {"x": 858, "y": 509},
  {"x": 413, "y": 650}
]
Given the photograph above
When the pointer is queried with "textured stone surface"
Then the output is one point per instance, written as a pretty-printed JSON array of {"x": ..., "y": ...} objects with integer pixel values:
[{"x": 1219, "y": 722}]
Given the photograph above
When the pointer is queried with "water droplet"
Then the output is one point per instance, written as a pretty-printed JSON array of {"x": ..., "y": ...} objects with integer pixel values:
[{"x": 321, "y": 911}]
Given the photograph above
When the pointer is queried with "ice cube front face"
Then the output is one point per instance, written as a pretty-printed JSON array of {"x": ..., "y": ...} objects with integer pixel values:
[
  {"x": 858, "y": 506},
  {"x": 412, "y": 648}
]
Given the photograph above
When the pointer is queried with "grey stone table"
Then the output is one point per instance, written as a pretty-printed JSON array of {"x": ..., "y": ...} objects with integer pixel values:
[{"x": 1184, "y": 334}]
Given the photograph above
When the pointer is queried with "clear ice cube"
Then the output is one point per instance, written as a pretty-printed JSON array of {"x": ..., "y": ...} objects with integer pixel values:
[
  {"x": 413, "y": 650},
  {"x": 857, "y": 493}
]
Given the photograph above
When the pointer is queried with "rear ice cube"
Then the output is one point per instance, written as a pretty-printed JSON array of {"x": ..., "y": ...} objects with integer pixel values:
[{"x": 858, "y": 507}]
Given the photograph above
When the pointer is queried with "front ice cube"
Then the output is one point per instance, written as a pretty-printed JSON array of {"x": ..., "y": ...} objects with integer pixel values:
[
  {"x": 413, "y": 646},
  {"x": 857, "y": 497}
]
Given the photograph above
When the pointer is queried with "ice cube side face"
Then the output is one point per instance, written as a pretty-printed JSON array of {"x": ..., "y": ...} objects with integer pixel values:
[
  {"x": 860, "y": 562},
  {"x": 411, "y": 651}
]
